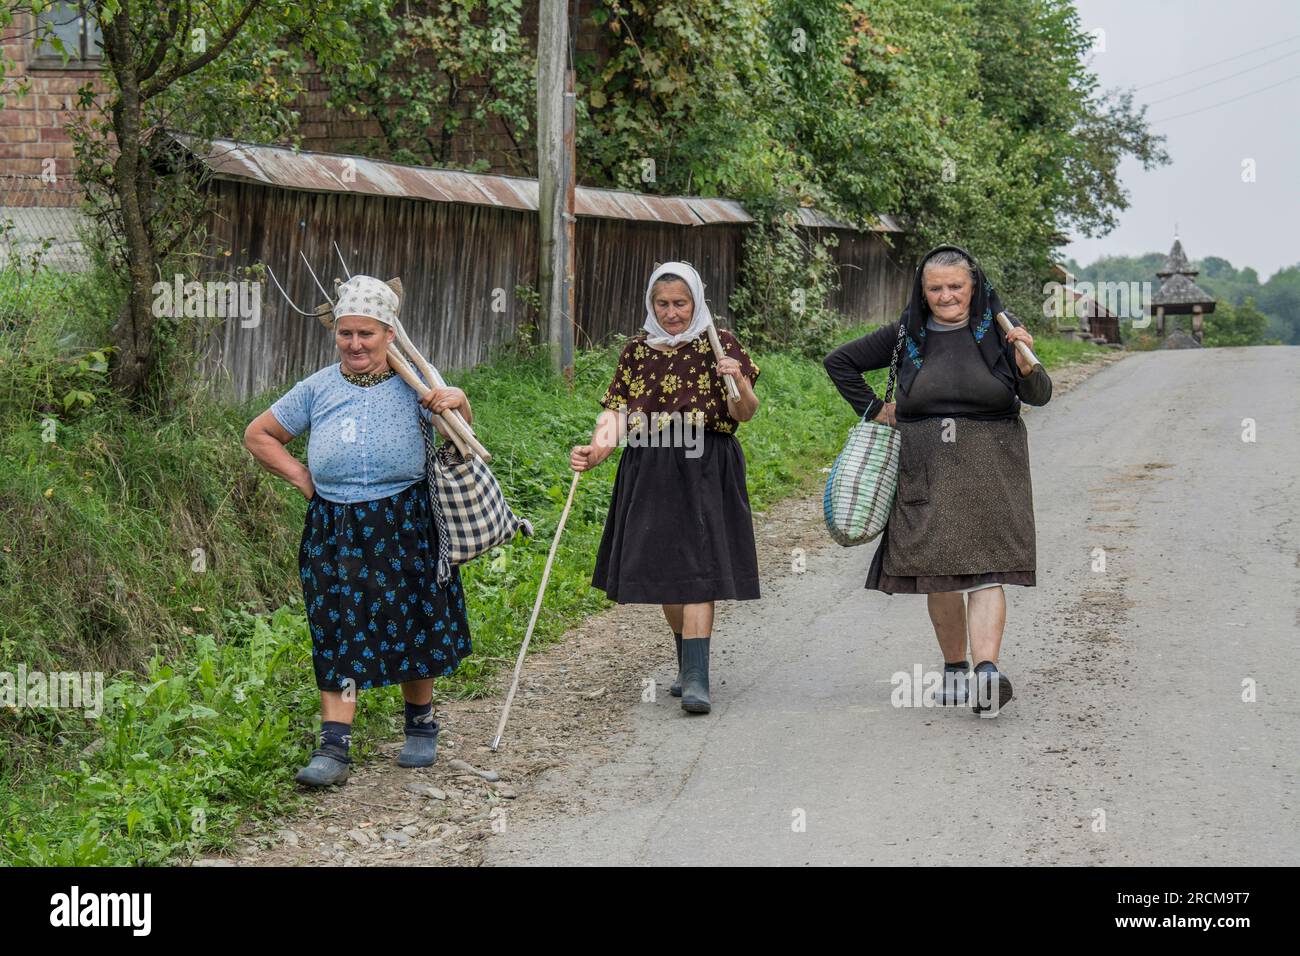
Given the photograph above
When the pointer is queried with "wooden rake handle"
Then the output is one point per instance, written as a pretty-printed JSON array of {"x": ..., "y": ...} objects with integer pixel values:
[
  {"x": 457, "y": 430},
  {"x": 733, "y": 391},
  {"x": 452, "y": 418}
]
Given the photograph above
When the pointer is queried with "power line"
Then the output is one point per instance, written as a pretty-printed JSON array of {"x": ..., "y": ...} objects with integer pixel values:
[
  {"x": 1230, "y": 76},
  {"x": 1216, "y": 63},
  {"x": 1234, "y": 99}
]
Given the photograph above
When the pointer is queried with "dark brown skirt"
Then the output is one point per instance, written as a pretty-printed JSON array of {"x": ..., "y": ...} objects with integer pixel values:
[{"x": 964, "y": 512}]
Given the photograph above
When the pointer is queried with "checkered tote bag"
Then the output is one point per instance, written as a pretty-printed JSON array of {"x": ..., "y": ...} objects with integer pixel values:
[
  {"x": 860, "y": 490},
  {"x": 468, "y": 506}
]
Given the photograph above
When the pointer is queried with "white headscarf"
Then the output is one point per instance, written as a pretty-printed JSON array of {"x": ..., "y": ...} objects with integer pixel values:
[
  {"x": 700, "y": 319},
  {"x": 368, "y": 297}
]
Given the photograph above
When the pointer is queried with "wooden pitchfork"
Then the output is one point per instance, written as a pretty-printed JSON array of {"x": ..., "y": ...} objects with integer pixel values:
[{"x": 454, "y": 425}]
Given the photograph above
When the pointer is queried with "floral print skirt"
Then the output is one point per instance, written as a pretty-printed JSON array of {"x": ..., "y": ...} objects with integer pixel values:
[{"x": 376, "y": 613}]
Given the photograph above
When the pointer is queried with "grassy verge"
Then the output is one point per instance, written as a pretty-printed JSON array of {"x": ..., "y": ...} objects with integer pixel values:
[
  {"x": 1055, "y": 352},
  {"x": 154, "y": 549}
]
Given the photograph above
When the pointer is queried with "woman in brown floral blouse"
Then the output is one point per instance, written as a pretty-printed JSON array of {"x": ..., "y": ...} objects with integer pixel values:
[{"x": 679, "y": 531}]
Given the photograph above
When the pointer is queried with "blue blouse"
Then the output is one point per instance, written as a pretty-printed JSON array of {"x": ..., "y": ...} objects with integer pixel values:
[{"x": 365, "y": 443}]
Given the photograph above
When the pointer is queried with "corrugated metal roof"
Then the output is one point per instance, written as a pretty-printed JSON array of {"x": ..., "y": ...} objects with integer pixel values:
[
  {"x": 615, "y": 204},
  {"x": 816, "y": 219},
  {"x": 719, "y": 210},
  {"x": 334, "y": 172}
]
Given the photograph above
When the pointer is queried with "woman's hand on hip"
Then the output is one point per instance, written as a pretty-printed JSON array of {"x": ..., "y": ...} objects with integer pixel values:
[
  {"x": 886, "y": 414},
  {"x": 306, "y": 486}
]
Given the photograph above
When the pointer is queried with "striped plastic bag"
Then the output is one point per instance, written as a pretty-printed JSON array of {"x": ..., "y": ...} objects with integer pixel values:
[{"x": 864, "y": 479}]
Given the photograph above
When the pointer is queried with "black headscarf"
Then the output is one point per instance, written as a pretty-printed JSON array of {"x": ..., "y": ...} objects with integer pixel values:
[{"x": 984, "y": 306}]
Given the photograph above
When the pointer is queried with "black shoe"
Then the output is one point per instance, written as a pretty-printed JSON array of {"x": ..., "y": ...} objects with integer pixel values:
[
  {"x": 695, "y": 676},
  {"x": 955, "y": 689},
  {"x": 676, "y": 688},
  {"x": 982, "y": 693}
]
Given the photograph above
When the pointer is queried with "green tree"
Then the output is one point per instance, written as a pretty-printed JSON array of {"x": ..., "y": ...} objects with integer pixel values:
[
  {"x": 1234, "y": 325},
  {"x": 207, "y": 68},
  {"x": 681, "y": 98},
  {"x": 1280, "y": 298},
  {"x": 428, "y": 72}
]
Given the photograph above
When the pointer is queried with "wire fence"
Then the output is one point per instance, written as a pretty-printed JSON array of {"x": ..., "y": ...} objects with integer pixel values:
[{"x": 40, "y": 224}]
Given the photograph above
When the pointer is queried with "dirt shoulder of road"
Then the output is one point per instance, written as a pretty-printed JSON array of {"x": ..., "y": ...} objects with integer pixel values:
[{"x": 572, "y": 707}]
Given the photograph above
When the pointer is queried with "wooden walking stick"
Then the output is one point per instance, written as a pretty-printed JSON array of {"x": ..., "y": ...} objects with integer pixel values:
[
  {"x": 1021, "y": 347},
  {"x": 537, "y": 607},
  {"x": 733, "y": 391}
]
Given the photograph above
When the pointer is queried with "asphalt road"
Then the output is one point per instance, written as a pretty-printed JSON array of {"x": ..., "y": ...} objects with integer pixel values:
[{"x": 1129, "y": 741}]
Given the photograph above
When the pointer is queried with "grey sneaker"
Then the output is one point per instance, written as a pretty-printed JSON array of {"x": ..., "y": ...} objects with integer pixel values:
[{"x": 326, "y": 769}]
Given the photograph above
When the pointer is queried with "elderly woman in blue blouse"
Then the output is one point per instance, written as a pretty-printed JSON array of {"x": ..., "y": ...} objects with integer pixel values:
[{"x": 368, "y": 557}]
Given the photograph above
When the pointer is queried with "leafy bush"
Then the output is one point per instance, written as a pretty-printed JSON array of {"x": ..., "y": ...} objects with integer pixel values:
[
  {"x": 183, "y": 754},
  {"x": 787, "y": 276}
]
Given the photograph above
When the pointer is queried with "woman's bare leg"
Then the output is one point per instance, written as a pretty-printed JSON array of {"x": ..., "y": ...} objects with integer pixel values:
[
  {"x": 673, "y": 615},
  {"x": 697, "y": 620},
  {"x": 334, "y": 707},
  {"x": 418, "y": 691},
  {"x": 987, "y": 613},
  {"x": 948, "y": 615}
]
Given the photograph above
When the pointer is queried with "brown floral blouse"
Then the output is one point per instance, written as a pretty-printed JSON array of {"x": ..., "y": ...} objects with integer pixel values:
[{"x": 684, "y": 380}]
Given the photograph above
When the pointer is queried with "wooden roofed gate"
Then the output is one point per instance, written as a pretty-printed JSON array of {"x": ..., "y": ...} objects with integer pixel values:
[
  {"x": 462, "y": 243},
  {"x": 1179, "y": 294}
]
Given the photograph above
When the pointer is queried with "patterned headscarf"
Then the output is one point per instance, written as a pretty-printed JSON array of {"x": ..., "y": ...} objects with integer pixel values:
[{"x": 368, "y": 297}]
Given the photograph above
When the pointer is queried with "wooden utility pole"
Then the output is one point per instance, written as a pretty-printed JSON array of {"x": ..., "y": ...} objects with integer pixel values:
[{"x": 555, "y": 178}]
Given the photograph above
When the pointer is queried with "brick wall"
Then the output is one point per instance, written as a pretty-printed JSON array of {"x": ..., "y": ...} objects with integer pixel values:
[{"x": 32, "y": 125}]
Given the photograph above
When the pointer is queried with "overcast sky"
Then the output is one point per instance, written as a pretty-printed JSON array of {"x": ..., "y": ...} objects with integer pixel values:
[{"x": 1249, "y": 223}]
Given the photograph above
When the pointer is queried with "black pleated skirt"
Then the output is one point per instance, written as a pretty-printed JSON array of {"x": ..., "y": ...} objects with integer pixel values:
[
  {"x": 374, "y": 608},
  {"x": 679, "y": 529}
]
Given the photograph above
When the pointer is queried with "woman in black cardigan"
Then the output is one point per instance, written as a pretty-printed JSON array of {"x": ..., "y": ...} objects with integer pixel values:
[{"x": 962, "y": 522}]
